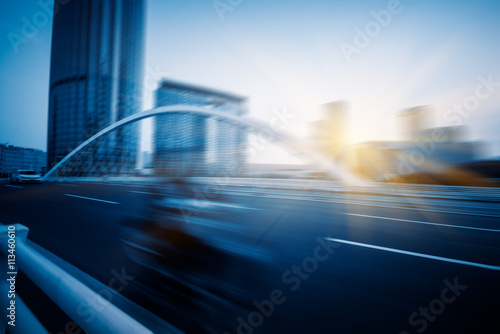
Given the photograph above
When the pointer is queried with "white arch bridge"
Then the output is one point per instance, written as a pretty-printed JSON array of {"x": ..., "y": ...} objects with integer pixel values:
[{"x": 246, "y": 122}]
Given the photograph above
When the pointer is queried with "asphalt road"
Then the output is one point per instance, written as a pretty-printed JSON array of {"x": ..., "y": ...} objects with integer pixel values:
[{"x": 331, "y": 263}]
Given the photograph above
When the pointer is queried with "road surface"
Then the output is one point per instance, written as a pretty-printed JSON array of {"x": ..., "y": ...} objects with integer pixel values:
[{"x": 335, "y": 263}]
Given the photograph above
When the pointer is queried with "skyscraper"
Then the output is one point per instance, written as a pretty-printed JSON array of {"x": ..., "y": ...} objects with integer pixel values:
[
  {"x": 411, "y": 122},
  {"x": 96, "y": 80},
  {"x": 329, "y": 133},
  {"x": 186, "y": 144}
]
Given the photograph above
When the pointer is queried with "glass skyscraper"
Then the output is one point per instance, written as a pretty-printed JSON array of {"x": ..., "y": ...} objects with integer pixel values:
[
  {"x": 190, "y": 145},
  {"x": 95, "y": 80}
]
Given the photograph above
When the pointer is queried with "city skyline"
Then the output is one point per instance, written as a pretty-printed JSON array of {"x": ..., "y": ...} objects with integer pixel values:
[
  {"x": 232, "y": 166},
  {"x": 294, "y": 49}
]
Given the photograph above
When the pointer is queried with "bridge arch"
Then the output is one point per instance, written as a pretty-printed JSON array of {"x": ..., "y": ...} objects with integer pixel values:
[{"x": 242, "y": 121}]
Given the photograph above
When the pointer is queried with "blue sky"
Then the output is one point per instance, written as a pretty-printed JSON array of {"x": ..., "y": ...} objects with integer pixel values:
[{"x": 287, "y": 54}]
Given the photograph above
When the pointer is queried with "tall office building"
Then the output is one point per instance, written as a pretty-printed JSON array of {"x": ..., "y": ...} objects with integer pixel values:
[
  {"x": 186, "y": 144},
  {"x": 328, "y": 135},
  {"x": 411, "y": 122},
  {"x": 96, "y": 80}
]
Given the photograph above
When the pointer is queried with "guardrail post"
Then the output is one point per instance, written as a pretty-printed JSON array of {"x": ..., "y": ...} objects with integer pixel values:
[
  {"x": 65, "y": 290},
  {"x": 24, "y": 320}
]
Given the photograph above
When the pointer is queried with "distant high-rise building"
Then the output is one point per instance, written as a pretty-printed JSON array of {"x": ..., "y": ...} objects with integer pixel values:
[
  {"x": 14, "y": 158},
  {"x": 376, "y": 160},
  {"x": 96, "y": 80},
  {"x": 328, "y": 135},
  {"x": 411, "y": 122},
  {"x": 186, "y": 144}
]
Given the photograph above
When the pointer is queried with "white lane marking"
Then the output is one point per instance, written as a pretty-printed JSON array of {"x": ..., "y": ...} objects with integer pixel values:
[
  {"x": 426, "y": 256},
  {"x": 9, "y": 185},
  {"x": 92, "y": 199},
  {"x": 141, "y": 192},
  {"x": 421, "y": 222},
  {"x": 210, "y": 203},
  {"x": 430, "y": 210}
]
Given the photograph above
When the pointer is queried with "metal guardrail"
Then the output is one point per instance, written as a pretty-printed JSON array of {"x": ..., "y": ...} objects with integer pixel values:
[{"x": 65, "y": 290}]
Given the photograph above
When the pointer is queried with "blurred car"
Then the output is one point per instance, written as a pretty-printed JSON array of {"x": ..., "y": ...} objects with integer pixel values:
[
  {"x": 191, "y": 258},
  {"x": 26, "y": 176}
]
